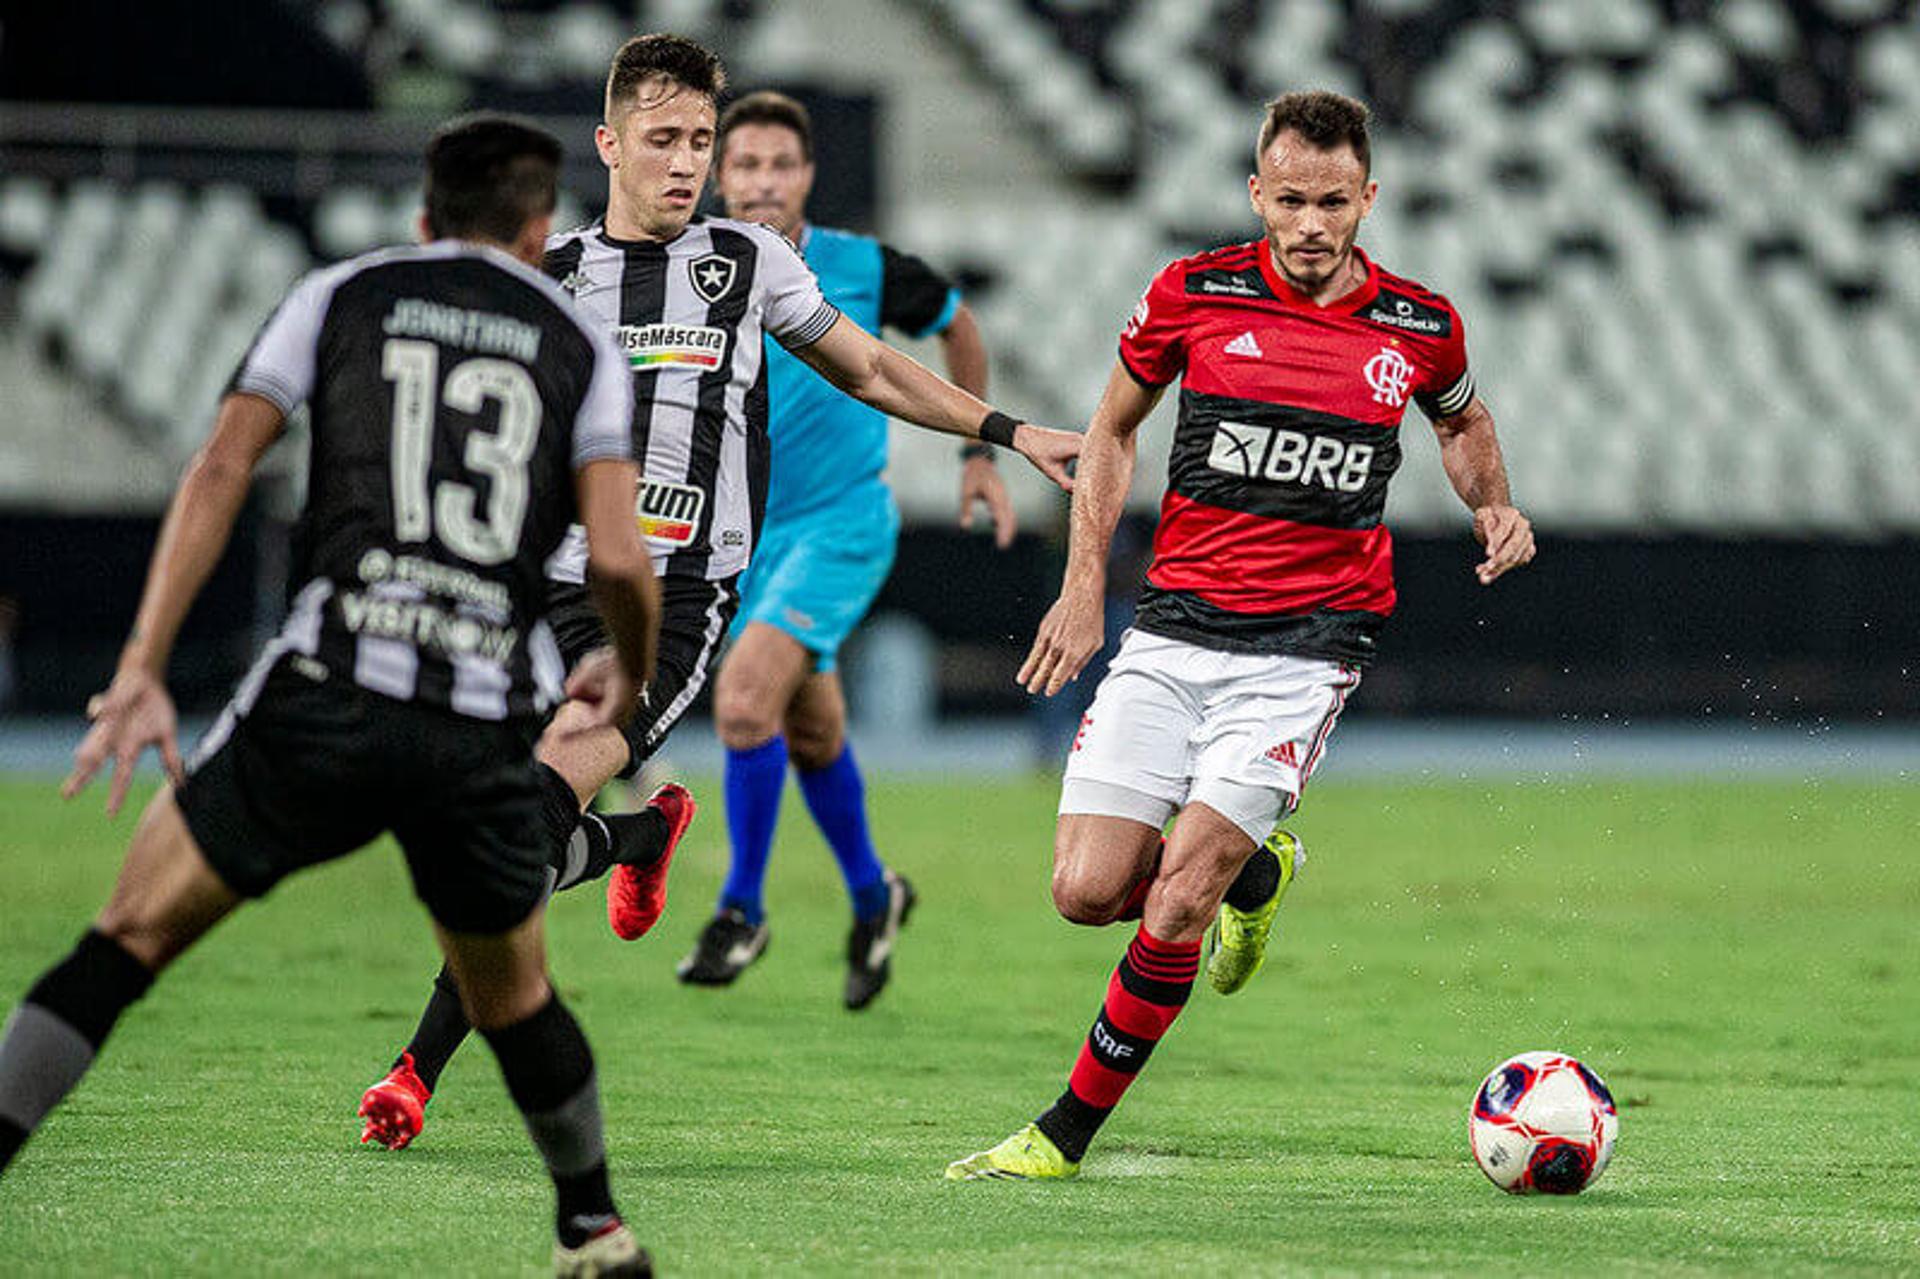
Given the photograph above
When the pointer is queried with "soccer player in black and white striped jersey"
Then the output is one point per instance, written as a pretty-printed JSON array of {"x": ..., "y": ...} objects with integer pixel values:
[
  {"x": 462, "y": 415},
  {"x": 688, "y": 299}
]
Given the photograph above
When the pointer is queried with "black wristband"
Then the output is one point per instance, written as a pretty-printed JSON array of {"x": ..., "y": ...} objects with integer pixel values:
[
  {"x": 997, "y": 428},
  {"x": 974, "y": 448}
]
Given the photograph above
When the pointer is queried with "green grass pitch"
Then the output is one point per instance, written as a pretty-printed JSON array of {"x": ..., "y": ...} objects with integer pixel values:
[{"x": 1741, "y": 962}]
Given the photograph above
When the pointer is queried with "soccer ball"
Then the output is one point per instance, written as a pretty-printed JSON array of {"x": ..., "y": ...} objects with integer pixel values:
[{"x": 1542, "y": 1123}]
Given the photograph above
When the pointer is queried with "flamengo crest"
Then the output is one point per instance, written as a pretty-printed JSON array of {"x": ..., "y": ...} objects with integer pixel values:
[
  {"x": 712, "y": 275},
  {"x": 1389, "y": 373}
]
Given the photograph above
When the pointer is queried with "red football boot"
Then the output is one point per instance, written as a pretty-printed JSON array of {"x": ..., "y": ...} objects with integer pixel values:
[
  {"x": 635, "y": 898},
  {"x": 395, "y": 1108}
]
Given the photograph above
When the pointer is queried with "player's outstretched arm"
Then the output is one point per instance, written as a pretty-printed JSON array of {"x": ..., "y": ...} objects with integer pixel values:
[
  {"x": 898, "y": 385},
  {"x": 1470, "y": 452},
  {"x": 1075, "y": 627},
  {"x": 620, "y": 576},
  {"x": 135, "y": 711}
]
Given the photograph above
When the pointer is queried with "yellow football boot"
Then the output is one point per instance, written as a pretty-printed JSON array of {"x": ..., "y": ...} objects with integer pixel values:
[
  {"x": 1240, "y": 936},
  {"x": 1027, "y": 1154}
]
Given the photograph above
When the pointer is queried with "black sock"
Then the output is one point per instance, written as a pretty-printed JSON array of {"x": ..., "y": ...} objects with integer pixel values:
[
  {"x": 53, "y": 1036},
  {"x": 1071, "y": 1123},
  {"x": 559, "y": 813},
  {"x": 549, "y": 1071},
  {"x": 1256, "y": 882},
  {"x": 583, "y": 1205},
  {"x": 443, "y": 1028},
  {"x": 638, "y": 838},
  {"x": 602, "y": 841}
]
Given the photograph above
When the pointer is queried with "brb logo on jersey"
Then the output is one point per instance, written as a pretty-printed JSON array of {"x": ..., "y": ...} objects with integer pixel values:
[
  {"x": 1289, "y": 457},
  {"x": 1389, "y": 373},
  {"x": 669, "y": 513}
]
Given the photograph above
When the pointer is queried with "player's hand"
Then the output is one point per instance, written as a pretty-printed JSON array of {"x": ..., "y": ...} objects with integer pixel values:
[
  {"x": 1070, "y": 634},
  {"x": 980, "y": 482},
  {"x": 1049, "y": 450},
  {"x": 604, "y": 689},
  {"x": 133, "y": 714},
  {"x": 1508, "y": 537}
]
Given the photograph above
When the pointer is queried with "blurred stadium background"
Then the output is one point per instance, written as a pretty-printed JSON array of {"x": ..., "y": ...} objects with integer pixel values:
[{"x": 1683, "y": 233}]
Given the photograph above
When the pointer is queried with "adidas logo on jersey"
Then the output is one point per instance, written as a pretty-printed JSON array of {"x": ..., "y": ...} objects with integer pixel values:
[{"x": 1246, "y": 345}]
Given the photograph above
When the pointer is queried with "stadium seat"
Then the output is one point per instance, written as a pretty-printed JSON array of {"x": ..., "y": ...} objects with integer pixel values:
[{"x": 1669, "y": 269}]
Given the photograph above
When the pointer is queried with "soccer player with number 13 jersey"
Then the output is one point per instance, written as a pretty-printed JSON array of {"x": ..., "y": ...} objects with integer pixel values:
[{"x": 1271, "y": 581}]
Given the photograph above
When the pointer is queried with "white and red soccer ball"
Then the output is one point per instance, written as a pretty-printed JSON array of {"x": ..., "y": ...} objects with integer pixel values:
[{"x": 1542, "y": 1123}]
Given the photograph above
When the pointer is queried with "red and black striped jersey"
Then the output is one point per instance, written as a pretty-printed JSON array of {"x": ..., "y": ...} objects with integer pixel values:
[{"x": 1270, "y": 537}]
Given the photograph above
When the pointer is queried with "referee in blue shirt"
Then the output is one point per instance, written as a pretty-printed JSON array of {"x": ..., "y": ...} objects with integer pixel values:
[{"x": 824, "y": 553}]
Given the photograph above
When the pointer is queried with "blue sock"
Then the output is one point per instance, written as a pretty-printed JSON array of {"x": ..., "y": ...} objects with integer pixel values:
[
  {"x": 753, "y": 783},
  {"x": 838, "y": 800}
]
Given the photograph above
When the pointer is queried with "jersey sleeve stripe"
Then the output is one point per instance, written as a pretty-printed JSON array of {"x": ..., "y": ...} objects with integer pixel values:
[
  {"x": 1451, "y": 400},
  {"x": 814, "y": 329},
  {"x": 261, "y": 382}
]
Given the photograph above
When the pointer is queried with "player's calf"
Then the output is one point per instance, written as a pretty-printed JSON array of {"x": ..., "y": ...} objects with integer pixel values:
[
  {"x": 549, "y": 1071},
  {"x": 53, "y": 1036}
]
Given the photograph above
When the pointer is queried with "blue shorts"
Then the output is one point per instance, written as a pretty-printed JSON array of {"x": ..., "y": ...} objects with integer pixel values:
[{"x": 816, "y": 576}]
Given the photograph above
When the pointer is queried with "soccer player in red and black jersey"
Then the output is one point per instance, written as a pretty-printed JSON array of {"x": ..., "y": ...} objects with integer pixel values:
[{"x": 1272, "y": 578}]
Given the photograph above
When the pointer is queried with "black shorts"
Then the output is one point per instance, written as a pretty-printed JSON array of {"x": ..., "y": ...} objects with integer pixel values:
[
  {"x": 694, "y": 618},
  {"x": 312, "y": 769}
]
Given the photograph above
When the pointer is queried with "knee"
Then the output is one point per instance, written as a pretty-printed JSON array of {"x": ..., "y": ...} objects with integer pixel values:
[
  {"x": 1086, "y": 899},
  {"x": 743, "y": 719},
  {"x": 1190, "y": 895},
  {"x": 813, "y": 741},
  {"x": 151, "y": 945},
  {"x": 496, "y": 1006}
]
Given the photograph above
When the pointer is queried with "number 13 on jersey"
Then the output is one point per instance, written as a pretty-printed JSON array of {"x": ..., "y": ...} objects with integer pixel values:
[{"x": 413, "y": 366}]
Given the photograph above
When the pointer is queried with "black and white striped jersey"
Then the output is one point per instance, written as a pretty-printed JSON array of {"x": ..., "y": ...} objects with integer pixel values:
[
  {"x": 454, "y": 392},
  {"x": 689, "y": 315}
]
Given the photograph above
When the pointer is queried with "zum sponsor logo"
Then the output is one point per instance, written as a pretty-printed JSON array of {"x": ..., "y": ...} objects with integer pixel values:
[{"x": 669, "y": 512}]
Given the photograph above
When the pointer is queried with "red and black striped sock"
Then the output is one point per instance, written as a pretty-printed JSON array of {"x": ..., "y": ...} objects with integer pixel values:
[{"x": 1146, "y": 993}]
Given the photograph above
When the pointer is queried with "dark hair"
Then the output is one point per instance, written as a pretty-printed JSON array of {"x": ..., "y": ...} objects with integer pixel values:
[
  {"x": 488, "y": 175},
  {"x": 1326, "y": 120},
  {"x": 767, "y": 107},
  {"x": 674, "y": 58}
]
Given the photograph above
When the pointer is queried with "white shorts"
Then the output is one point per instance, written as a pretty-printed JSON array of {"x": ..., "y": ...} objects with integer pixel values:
[{"x": 1173, "y": 723}]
